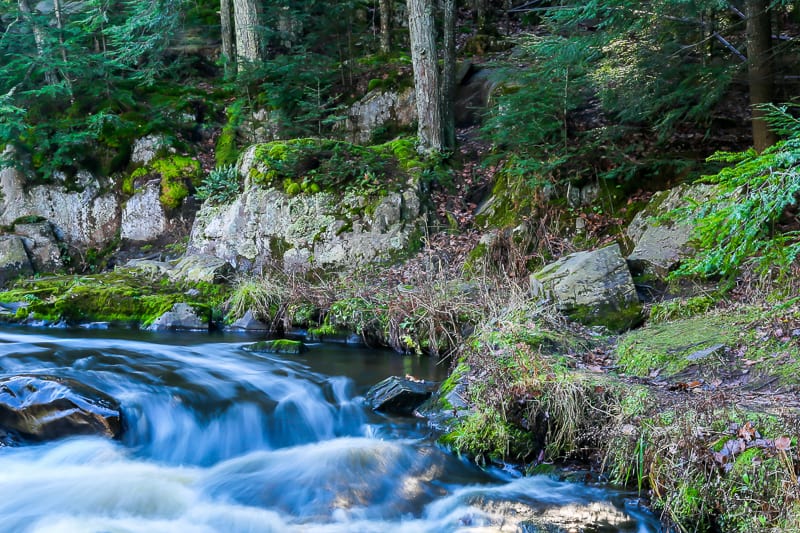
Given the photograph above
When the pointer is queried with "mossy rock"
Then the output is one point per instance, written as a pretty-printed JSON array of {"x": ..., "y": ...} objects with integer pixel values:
[{"x": 279, "y": 346}]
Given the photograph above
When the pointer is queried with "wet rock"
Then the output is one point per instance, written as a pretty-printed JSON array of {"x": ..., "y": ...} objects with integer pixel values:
[
  {"x": 661, "y": 245},
  {"x": 595, "y": 288},
  {"x": 249, "y": 323},
  {"x": 282, "y": 346},
  {"x": 201, "y": 268},
  {"x": 45, "y": 408},
  {"x": 399, "y": 396},
  {"x": 181, "y": 318},
  {"x": 14, "y": 259},
  {"x": 41, "y": 244}
]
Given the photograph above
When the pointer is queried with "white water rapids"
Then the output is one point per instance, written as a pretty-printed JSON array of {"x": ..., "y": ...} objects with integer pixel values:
[{"x": 218, "y": 439}]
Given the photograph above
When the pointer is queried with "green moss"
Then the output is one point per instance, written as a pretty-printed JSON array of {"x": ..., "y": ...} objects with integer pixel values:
[
  {"x": 176, "y": 171},
  {"x": 610, "y": 316},
  {"x": 120, "y": 296},
  {"x": 280, "y": 346},
  {"x": 226, "y": 152},
  {"x": 511, "y": 200}
]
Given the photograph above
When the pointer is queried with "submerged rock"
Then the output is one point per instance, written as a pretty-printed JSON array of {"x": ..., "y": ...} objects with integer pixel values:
[
  {"x": 248, "y": 323},
  {"x": 46, "y": 408},
  {"x": 282, "y": 346},
  {"x": 399, "y": 396},
  {"x": 595, "y": 288},
  {"x": 182, "y": 317}
]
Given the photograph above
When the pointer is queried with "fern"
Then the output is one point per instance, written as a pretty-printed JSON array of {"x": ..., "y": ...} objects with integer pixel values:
[{"x": 740, "y": 225}]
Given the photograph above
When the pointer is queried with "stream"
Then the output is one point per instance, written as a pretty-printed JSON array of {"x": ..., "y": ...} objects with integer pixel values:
[{"x": 218, "y": 439}]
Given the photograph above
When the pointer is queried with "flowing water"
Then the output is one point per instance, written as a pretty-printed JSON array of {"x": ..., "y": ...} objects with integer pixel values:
[{"x": 218, "y": 439}]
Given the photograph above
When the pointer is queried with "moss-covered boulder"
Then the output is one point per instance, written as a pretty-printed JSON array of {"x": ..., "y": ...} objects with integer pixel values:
[
  {"x": 309, "y": 203},
  {"x": 661, "y": 242},
  {"x": 281, "y": 346},
  {"x": 594, "y": 287}
]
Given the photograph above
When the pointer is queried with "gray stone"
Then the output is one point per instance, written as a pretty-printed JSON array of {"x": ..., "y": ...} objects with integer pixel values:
[
  {"x": 399, "y": 396},
  {"x": 181, "y": 318},
  {"x": 42, "y": 245},
  {"x": 83, "y": 218},
  {"x": 379, "y": 109},
  {"x": 266, "y": 226},
  {"x": 143, "y": 216},
  {"x": 248, "y": 323},
  {"x": 593, "y": 287},
  {"x": 201, "y": 267},
  {"x": 149, "y": 266},
  {"x": 14, "y": 259},
  {"x": 146, "y": 149},
  {"x": 44, "y": 408},
  {"x": 660, "y": 245}
]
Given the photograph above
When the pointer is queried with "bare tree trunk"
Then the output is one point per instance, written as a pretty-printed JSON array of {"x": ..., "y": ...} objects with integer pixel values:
[
  {"x": 39, "y": 38},
  {"x": 426, "y": 75},
  {"x": 760, "y": 72},
  {"x": 449, "y": 74},
  {"x": 248, "y": 42},
  {"x": 226, "y": 30},
  {"x": 385, "y": 9}
]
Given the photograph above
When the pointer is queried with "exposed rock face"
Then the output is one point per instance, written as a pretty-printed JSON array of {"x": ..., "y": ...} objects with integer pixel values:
[
  {"x": 41, "y": 244},
  {"x": 399, "y": 396},
  {"x": 85, "y": 218},
  {"x": 44, "y": 408},
  {"x": 379, "y": 109},
  {"x": 660, "y": 246},
  {"x": 304, "y": 231},
  {"x": 14, "y": 259},
  {"x": 181, "y": 318},
  {"x": 143, "y": 217},
  {"x": 594, "y": 287}
]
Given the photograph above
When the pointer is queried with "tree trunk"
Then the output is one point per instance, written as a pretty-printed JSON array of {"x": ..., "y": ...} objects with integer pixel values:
[
  {"x": 39, "y": 38},
  {"x": 426, "y": 75},
  {"x": 246, "y": 24},
  {"x": 760, "y": 72},
  {"x": 449, "y": 74},
  {"x": 385, "y": 9},
  {"x": 226, "y": 29}
]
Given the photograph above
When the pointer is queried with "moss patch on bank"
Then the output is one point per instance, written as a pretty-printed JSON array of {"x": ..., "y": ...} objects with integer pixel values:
[{"x": 122, "y": 297}]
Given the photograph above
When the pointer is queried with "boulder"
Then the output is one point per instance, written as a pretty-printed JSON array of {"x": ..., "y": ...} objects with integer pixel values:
[
  {"x": 380, "y": 109},
  {"x": 399, "y": 396},
  {"x": 143, "y": 216},
  {"x": 14, "y": 259},
  {"x": 282, "y": 346},
  {"x": 338, "y": 229},
  {"x": 181, "y": 318},
  {"x": 45, "y": 408},
  {"x": 201, "y": 268},
  {"x": 661, "y": 245},
  {"x": 41, "y": 244},
  {"x": 87, "y": 217},
  {"x": 595, "y": 288},
  {"x": 248, "y": 323},
  {"x": 147, "y": 148}
]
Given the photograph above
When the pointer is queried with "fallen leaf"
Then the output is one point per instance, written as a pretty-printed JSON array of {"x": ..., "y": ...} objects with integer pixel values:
[
  {"x": 747, "y": 432},
  {"x": 783, "y": 444}
]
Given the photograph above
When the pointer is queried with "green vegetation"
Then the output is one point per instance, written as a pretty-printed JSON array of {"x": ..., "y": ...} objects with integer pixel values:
[
  {"x": 281, "y": 346},
  {"x": 221, "y": 186}
]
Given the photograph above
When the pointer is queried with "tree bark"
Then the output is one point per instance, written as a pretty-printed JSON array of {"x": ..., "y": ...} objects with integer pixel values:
[
  {"x": 226, "y": 29},
  {"x": 385, "y": 10},
  {"x": 449, "y": 73},
  {"x": 760, "y": 71},
  {"x": 426, "y": 75},
  {"x": 39, "y": 38},
  {"x": 246, "y": 24}
]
